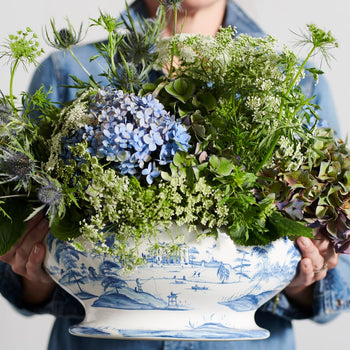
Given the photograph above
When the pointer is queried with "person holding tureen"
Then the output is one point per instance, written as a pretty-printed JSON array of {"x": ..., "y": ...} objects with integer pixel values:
[{"x": 319, "y": 291}]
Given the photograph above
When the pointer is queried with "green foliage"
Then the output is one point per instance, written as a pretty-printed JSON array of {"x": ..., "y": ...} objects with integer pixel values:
[
  {"x": 67, "y": 228},
  {"x": 129, "y": 51},
  {"x": 290, "y": 228},
  {"x": 321, "y": 184},
  {"x": 182, "y": 89},
  {"x": 11, "y": 230},
  {"x": 253, "y": 166}
]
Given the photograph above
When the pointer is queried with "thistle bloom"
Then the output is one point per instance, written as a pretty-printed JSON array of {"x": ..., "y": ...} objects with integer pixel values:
[
  {"x": 137, "y": 48},
  {"x": 16, "y": 166},
  {"x": 50, "y": 194},
  {"x": 64, "y": 38}
]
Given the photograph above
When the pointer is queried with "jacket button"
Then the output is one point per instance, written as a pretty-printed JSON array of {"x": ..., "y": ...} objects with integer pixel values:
[{"x": 340, "y": 302}]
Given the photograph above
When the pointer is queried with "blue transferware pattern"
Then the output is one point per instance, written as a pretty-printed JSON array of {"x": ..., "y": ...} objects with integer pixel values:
[{"x": 211, "y": 293}]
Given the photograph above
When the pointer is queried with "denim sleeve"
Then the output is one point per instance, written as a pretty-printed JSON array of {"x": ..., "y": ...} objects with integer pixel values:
[
  {"x": 60, "y": 304},
  {"x": 323, "y": 98},
  {"x": 56, "y": 71},
  {"x": 52, "y": 75},
  {"x": 331, "y": 296}
]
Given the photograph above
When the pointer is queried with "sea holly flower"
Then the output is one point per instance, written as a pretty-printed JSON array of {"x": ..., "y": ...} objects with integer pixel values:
[
  {"x": 16, "y": 166},
  {"x": 50, "y": 194},
  {"x": 64, "y": 38}
]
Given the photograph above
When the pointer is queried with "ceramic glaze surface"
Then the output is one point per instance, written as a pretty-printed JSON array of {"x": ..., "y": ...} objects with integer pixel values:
[{"x": 211, "y": 293}]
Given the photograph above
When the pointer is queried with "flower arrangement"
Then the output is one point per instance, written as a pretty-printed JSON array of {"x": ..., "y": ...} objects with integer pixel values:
[{"x": 224, "y": 137}]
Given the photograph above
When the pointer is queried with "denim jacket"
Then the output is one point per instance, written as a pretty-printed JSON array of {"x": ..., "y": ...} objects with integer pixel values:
[{"x": 331, "y": 295}]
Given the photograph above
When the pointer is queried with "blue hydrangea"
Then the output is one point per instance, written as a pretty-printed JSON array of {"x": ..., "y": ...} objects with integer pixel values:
[{"x": 135, "y": 133}]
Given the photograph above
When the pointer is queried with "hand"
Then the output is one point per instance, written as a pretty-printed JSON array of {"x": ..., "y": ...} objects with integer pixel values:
[
  {"x": 26, "y": 258},
  {"x": 318, "y": 257}
]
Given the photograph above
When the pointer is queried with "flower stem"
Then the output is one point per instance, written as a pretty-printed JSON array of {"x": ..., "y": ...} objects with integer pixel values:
[
  {"x": 171, "y": 70},
  {"x": 301, "y": 69},
  {"x": 112, "y": 53},
  {"x": 77, "y": 60},
  {"x": 12, "y": 101},
  {"x": 175, "y": 19},
  {"x": 13, "y": 196},
  {"x": 277, "y": 136}
]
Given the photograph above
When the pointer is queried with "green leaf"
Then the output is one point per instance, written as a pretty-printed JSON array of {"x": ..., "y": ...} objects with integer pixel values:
[
  {"x": 147, "y": 88},
  {"x": 283, "y": 226},
  {"x": 239, "y": 233},
  {"x": 92, "y": 58},
  {"x": 321, "y": 211},
  {"x": 323, "y": 173},
  {"x": 346, "y": 181},
  {"x": 179, "y": 158},
  {"x": 67, "y": 227},
  {"x": 165, "y": 176},
  {"x": 181, "y": 88},
  {"x": 214, "y": 161},
  {"x": 222, "y": 166},
  {"x": 199, "y": 130},
  {"x": 315, "y": 72},
  {"x": 205, "y": 99},
  {"x": 225, "y": 168},
  {"x": 12, "y": 230},
  {"x": 190, "y": 177}
]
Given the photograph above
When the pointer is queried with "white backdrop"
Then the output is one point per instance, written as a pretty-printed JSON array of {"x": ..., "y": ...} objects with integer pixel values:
[{"x": 276, "y": 17}]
